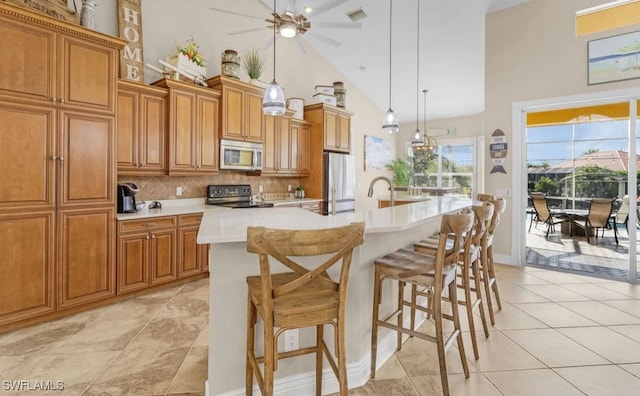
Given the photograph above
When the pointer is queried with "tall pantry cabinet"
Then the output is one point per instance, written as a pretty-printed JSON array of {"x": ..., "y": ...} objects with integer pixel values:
[{"x": 57, "y": 164}]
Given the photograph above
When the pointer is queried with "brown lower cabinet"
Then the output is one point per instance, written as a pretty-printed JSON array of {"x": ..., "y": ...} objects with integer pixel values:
[{"x": 156, "y": 250}]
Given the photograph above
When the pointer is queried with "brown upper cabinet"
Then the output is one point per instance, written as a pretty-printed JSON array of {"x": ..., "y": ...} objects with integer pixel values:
[
  {"x": 61, "y": 66},
  {"x": 277, "y": 145},
  {"x": 241, "y": 115},
  {"x": 142, "y": 129},
  {"x": 193, "y": 128},
  {"x": 300, "y": 147},
  {"x": 331, "y": 122}
]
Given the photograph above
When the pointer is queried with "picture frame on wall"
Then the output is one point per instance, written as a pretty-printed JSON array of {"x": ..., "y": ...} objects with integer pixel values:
[
  {"x": 614, "y": 58},
  {"x": 377, "y": 152}
]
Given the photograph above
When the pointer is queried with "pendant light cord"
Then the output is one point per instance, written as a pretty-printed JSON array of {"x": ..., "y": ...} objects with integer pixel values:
[
  {"x": 274, "y": 41},
  {"x": 418, "y": 69},
  {"x": 424, "y": 125},
  {"x": 390, "y": 30}
]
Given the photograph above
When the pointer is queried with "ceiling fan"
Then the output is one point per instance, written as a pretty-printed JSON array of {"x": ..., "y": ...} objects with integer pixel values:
[{"x": 293, "y": 22}]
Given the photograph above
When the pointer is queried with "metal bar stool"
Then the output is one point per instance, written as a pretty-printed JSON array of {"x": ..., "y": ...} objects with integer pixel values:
[
  {"x": 301, "y": 298},
  {"x": 437, "y": 273}
]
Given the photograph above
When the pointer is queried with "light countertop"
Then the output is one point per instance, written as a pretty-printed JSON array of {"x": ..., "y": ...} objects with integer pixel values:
[
  {"x": 281, "y": 202},
  {"x": 228, "y": 226},
  {"x": 172, "y": 207}
]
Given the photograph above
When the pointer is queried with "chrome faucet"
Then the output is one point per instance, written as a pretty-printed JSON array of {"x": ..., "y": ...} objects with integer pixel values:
[{"x": 375, "y": 179}]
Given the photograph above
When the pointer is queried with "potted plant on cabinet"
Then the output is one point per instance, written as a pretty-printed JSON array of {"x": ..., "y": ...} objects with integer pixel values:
[{"x": 253, "y": 63}]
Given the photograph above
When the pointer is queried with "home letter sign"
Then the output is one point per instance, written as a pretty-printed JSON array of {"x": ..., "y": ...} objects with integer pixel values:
[{"x": 130, "y": 28}]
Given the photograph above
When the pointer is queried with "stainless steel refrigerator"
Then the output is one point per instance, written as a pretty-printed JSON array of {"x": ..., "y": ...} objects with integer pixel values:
[{"x": 339, "y": 184}]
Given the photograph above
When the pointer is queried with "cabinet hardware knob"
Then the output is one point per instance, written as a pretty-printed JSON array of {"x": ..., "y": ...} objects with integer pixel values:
[
  {"x": 153, "y": 237},
  {"x": 61, "y": 100},
  {"x": 61, "y": 158},
  {"x": 53, "y": 157},
  {"x": 53, "y": 99},
  {"x": 147, "y": 237}
]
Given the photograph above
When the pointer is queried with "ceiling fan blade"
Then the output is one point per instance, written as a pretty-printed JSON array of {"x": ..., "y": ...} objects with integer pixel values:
[
  {"x": 246, "y": 31},
  {"x": 338, "y": 25},
  {"x": 299, "y": 45},
  {"x": 326, "y": 6},
  {"x": 324, "y": 39},
  {"x": 234, "y": 13}
]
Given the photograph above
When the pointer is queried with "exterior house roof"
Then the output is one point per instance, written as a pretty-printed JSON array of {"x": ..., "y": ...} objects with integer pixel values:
[{"x": 617, "y": 160}]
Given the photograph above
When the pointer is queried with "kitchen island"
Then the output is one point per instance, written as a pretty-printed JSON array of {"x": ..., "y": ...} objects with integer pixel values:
[{"x": 386, "y": 230}]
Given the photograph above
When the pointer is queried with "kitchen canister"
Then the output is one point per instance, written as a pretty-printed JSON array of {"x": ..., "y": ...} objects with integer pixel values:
[
  {"x": 88, "y": 14},
  {"x": 297, "y": 105},
  {"x": 230, "y": 63},
  {"x": 340, "y": 92}
]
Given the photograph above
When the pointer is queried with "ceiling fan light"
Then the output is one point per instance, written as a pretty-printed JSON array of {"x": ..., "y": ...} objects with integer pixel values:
[
  {"x": 390, "y": 122},
  {"x": 273, "y": 103},
  {"x": 288, "y": 29}
]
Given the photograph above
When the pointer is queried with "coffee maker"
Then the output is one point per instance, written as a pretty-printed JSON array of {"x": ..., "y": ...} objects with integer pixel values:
[{"x": 127, "y": 197}]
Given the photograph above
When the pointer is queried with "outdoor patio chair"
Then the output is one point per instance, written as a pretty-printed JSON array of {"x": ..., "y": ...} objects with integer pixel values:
[
  {"x": 599, "y": 212},
  {"x": 622, "y": 215},
  {"x": 543, "y": 214}
]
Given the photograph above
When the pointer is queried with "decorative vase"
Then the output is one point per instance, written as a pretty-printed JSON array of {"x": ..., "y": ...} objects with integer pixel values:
[
  {"x": 340, "y": 93},
  {"x": 230, "y": 63},
  {"x": 88, "y": 14}
]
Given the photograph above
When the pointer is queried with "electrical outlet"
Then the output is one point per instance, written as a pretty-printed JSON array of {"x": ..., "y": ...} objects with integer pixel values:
[
  {"x": 178, "y": 191},
  {"x": 291, "y": 340}
]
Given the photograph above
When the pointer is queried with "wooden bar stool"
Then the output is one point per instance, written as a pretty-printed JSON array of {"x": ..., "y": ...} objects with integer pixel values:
[
  {"x": 437, "y": 273},
  {"x": 469, "y": 264},
  {"x": 301, "y": 298},
  {"x": 486, "y": 261}
]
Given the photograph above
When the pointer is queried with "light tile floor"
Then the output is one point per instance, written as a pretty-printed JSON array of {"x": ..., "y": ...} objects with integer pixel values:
[{"x": 558, "y": 333}]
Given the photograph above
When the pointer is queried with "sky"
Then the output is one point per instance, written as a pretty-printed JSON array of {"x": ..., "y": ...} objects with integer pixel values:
[{"x": 553, "y": 144}]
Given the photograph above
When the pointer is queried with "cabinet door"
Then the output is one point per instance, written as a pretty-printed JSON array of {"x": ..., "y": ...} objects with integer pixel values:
[
  {"x": 344, "y": 126},
  {"x": 284, "y": 144},
  {"x": 163, "y": 256},
  {"x": 232, "y": 113},
  {"x": 86, "y": 262},
  {"x": 304, "y": 150},
  {"x": 331, "y": 138},
  {"x": 87, "y": 149},
  {"x": 207, "y": 142},
  {"x": 87, "y": 76},
  {"x": 27, "y": 167},
  {"x": 270, "y": 146},
  {"x": 133, "y": 259},
  {"x": 295, "y": 148},
  {"x": 27, "y": 281},
  {"x": 153, "y": 134},
  {"x": 254, "y": 118},
  {"x": 189, "y": 252},
  {"x": 127, "y": 131},
  {"x": 28, "y": 69},
  {"x": 182, "y": 132}
]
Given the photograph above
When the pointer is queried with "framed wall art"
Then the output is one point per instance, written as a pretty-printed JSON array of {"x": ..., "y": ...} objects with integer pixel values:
[
  {"x": 614, "y": 58},
  {"x": 377, "y": 152}
]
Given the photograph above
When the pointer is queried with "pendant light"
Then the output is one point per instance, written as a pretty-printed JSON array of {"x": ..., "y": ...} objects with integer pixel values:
[
  {"x": 273, "y": 101},
  {"x": 422, "y": 142},
  {"x": 390, "y": 121},
  {"x": 417, "y": 136}
]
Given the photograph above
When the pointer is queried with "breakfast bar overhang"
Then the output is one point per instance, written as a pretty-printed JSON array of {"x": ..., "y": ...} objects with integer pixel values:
[{"x": 225, "y": 231}]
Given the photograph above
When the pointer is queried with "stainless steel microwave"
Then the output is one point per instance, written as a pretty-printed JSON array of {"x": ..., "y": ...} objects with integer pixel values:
[{"x": 240, "y": 155}]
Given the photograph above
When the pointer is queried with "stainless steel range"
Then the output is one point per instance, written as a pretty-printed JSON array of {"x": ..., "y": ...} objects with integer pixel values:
[{"x": 233, "y": 196}]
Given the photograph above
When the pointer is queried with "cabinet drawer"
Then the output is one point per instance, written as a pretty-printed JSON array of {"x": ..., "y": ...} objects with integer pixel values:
[
  {"x": 147, "y": 224},
  {"x": 190, "y": 219}
]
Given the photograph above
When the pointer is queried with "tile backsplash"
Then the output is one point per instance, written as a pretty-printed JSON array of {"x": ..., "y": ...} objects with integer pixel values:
[{"x": 164, "y": 187}]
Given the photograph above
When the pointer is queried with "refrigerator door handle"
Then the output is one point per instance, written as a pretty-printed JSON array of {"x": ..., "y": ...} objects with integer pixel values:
[{"x": 333, "y": 201}]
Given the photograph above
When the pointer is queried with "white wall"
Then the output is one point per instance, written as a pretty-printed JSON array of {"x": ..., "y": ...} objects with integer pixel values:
[{"x": 166, "y": 23}]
